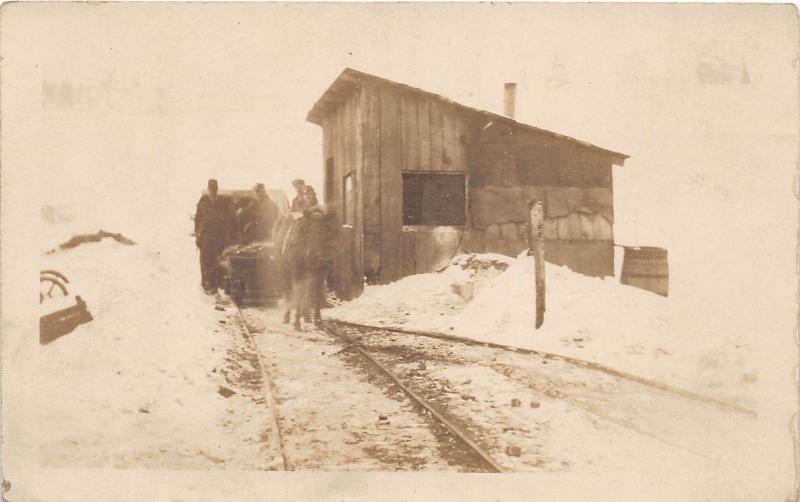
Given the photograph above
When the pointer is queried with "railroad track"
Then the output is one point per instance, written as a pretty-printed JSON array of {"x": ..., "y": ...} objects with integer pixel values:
[
  {"x": 555, "y": 357},
  {"x": 268, "y": 387},
  {"x": 358, "y": 342},
  {"x": 455, "y": 430},
  {"x": 510, "y": 363},
  {"x": 422, "y": 405}
]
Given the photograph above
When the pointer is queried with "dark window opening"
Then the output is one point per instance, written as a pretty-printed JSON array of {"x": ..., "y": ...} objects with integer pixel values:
[
  {"x": 434, "y": 199},
  {"x": 329, "y": 179}
]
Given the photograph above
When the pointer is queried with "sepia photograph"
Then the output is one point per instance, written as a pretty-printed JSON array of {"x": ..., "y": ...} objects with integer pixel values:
[{"x": 398, "y": 251}]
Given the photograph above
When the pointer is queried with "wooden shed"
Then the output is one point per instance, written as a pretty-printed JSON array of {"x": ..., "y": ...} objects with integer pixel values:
[{"x": 415, "y": 179}]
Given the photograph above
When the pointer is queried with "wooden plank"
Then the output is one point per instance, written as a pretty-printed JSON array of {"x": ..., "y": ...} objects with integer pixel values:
[
  {"x": 574, "y": 226},
  {"x": 601, "y": 228},
  {"x": 450, "y": 145},
  {"x": 334, "y": 154},
  {"x": 429, "y": 251},
  {"x": 338, "y": 161},
  {"x": 551, "y": 229},
  {"x": 342, "y": 145},
  {"x": 348, "y": 280},
  {"x": 563, "y": 228},
  {"x": 326, "y": 150},
  {"x": 437, "y": 139},
  {"x": 371, "y": 186},
  {"x": 474, "y": 241},
  {"x": 341, "y": 262},
  {"x": 401, "y": 132},
  {"x": 408, "y": 256},
  {"x": 346, "y": 138},
  {"x": 342, "y": 115},
  {"x": 358, "y": 192},
  {"x": 329, "y": 140},
  {"x": 587, "y": 231},
  {"x": 422, "y": 252},
  {"x": 461, "y": 145},
  {"x": 391, "y": 184},
  {"x": 424, "y": 134},
  {"x": 339, "y": 154},
  {"x": 493, "y": 232},
  {"x": 508, "y": 231},
  {"x": 410, "y": 134}
]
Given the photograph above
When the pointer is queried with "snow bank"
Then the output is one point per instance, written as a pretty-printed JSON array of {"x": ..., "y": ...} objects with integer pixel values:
[
  {"x": 138, "y": 386},
  {"x": 599, "y": 320}
]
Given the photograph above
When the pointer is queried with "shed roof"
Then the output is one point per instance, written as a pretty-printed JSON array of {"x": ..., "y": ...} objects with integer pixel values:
[{"x": 350, "y": 79}]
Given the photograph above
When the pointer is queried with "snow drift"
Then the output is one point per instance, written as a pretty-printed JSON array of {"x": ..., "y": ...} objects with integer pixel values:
[{"x": 600, "y": 320}]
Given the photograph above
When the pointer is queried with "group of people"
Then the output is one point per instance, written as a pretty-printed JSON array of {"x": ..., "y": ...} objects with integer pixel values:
[
  {"x": 219, "y": 222},
  {"x": 302, "y": 240}
]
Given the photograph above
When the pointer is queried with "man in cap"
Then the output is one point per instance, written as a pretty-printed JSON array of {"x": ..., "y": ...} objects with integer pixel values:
[
  {"x": 298, "y": 203},
  {"x": 317, "y": 244},
  {"x": 259, "y": 217},
  {"x": 213, "y": 228},
  {"x": 310, "y": 201}
]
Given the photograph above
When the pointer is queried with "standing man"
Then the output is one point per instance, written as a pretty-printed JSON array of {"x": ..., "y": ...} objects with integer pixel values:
[
  {"x": 310, "y": 201},
  {"x": 317, "y": 248},
  {"x": 259, "y": 217},
  {"x": 213, "y": 226},
  {"x": 298, "y": 203}
]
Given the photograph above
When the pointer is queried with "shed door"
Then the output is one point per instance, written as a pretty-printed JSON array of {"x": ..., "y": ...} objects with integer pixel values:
[{"x": 347, "y": 284}]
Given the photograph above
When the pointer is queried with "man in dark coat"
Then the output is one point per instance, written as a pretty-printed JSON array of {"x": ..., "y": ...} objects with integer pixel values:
[
  {"x": 317, "y": 251},
  {"x": 259, "y": 217},
  {"x": 213, "y": 228}
]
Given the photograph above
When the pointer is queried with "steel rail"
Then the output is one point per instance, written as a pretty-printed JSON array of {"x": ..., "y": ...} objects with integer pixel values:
[
  {"x": 571, "y": 402},
  {"x": 268, "y": 386},
  {"x": 450, "y": 426},
  {"x": 556, "y": 357}
]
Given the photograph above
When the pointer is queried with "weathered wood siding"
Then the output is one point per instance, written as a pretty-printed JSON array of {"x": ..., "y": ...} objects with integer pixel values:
[
  {"x": 510, "y": 165},
  {"x": 416, "y": 133},
  {"x": 381, "y": 131},
  {"x": 371, "y": 187},
  {"x": 343, "y": 142},
  {"x": 507, "y": 155}
]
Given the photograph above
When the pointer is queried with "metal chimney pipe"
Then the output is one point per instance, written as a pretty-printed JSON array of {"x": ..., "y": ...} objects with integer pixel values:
[{"x": 509, "y": 99}]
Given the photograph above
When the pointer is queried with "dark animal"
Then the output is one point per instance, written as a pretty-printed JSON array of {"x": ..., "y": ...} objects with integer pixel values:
[
  {"x": 287, "y": 257},
  {"x": 317, "y": 237},
  {"x": 302, "y": 249}
]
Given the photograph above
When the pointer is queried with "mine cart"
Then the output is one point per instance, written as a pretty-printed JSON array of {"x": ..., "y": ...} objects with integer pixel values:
[{"x": 252, "y": 274}]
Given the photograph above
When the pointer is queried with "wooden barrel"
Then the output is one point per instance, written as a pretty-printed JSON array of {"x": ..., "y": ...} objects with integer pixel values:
[{"x": 646, "y": 268}]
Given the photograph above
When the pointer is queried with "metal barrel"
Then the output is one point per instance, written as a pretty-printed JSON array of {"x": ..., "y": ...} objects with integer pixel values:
[{"x": 646, "y": 268}]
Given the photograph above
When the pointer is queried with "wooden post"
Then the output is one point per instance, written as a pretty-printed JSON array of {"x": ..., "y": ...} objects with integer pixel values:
[{"x": 536, "y": 248}]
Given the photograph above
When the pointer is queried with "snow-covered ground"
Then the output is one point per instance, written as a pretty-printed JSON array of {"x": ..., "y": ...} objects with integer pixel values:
[
  {"x": 139, "y": 386},
  {"x": 668, "y": 340}
]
